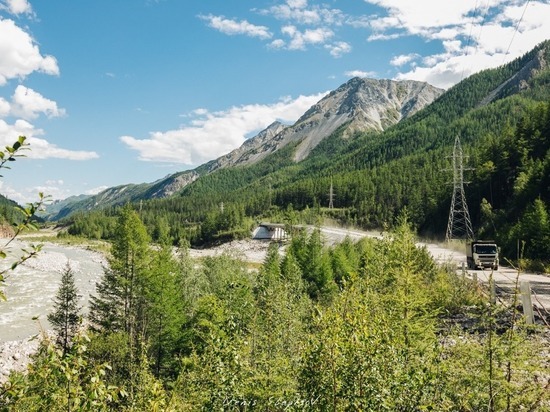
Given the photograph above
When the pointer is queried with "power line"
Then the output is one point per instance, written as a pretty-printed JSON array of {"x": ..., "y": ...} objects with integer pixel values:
[
  {"x": 469, "y": 38},
  {"x": 516, "y": 30},
  {"x": 482, "y": 24}
]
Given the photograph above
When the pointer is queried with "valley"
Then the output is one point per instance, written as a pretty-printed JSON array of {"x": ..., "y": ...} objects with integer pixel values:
[{"x": 361, "y": 322}]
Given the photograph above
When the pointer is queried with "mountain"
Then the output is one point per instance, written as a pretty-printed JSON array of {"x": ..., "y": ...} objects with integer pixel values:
[
  {"x": 9, "y": 215},
  {"x": 360, "y": 105},
  {"x": 502, "y": 117},
  {"x": 249, "y": 152},
  {"x": 357, "y": 106},
  {"x": 53, "y": 208}
]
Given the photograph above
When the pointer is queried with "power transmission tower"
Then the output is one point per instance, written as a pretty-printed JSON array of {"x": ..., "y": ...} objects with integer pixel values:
[
  {"x": 331, "y": 196},
  {"x": 460, "y": 225}
]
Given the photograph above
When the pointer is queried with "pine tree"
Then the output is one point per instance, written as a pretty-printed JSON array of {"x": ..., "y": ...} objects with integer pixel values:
[{"x": 65, "y": 318}]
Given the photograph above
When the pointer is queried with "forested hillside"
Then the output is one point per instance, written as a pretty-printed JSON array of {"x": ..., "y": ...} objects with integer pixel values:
[
  {"x": 500, "y": 115},
  {"x": 8, "y": 215}
]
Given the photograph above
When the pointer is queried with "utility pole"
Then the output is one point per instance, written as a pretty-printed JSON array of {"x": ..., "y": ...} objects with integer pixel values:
[
  {"x": 331, "y": 196},
  {"x": 459, "y": 225}
]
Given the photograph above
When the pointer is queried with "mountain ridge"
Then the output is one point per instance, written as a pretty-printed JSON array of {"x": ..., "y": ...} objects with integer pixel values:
[
  {"x": 477, "y": 91},
  {"x": 359, "y": 105}
]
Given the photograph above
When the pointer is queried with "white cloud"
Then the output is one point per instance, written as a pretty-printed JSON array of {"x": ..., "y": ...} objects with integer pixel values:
[
  {"x": 473, "y": 36},
  {"x": 215, "y": 134},
  {"x": 297, "y": 4},
  {"x": 233, "y": 27},
  {"x": 53, "y": 189},
  {"x": 95, "y": 190},
  {"x": 17, "y": 6},
  {"x": 379, "y": 36},
  {"x": 28, "y": 104},
  {"x": 16, "y": 195},
  {"x": 277, "y": 44},
  {"x": 404, "y": 59},
  {"x": 19, "y": 55},
  {"x": 417, "y": 16},
  {"x": 39, "y": 147},
  {"x": 299, "y": 40},
  {"x": 360, "y": 73},
  {"x": 338, "y": 49},
  {"x": 300, "y": 12},
  {"x": 5, "y": 107},
  {"x": 201, "y": 111},
  {"x": 304, "y": 25}
]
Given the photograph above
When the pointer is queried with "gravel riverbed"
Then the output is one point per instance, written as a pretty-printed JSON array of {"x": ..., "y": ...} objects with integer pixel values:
[{"x": 30, "y": 290}]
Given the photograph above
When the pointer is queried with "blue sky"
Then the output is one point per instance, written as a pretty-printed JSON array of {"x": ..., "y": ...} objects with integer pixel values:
[{"x": 128, "y": 91}]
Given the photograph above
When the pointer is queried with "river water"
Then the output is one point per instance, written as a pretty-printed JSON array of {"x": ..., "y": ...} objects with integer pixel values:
[{"x": 31, "y": 288}]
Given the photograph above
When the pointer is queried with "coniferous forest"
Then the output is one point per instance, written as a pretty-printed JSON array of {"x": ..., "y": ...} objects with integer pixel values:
[{"x": 372, "y": 325}]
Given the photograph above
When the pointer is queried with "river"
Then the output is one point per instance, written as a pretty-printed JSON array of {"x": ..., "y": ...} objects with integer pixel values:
[{"x": 31, "y": 288}]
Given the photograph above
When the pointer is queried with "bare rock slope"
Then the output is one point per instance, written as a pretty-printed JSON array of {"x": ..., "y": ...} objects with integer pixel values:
[{"x": 360, "y": 104}]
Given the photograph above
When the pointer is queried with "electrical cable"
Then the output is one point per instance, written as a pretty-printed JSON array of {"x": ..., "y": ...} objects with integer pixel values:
[
  {"x": 515, "y": 31},
  {"x": 469, "y": 38}
]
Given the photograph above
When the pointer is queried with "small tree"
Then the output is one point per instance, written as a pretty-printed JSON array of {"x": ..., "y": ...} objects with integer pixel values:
[
  {"x": 65, "y": 318},
  {"x": 7, "y": 155}
]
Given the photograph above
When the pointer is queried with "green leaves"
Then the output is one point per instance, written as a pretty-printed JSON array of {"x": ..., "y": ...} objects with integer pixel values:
[{"x": 10, "y": 153}]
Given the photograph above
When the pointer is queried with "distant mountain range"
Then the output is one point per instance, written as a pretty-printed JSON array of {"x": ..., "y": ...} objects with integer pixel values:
[
  {"x": 396, "y": 116},
  {"x": 357, "y": 106}
]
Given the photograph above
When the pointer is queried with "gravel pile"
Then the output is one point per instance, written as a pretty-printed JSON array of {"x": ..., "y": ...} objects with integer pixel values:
[{"x": 253, "y": 251}]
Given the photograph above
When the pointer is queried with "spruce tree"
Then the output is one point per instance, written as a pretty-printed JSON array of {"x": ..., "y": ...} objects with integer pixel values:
[
  {"x": 65, "y": 318},
  {"x": 120, "y": 300}
]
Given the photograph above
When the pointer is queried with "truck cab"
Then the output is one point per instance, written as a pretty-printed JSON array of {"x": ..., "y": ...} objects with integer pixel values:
[{"x": 482, "y": 254}]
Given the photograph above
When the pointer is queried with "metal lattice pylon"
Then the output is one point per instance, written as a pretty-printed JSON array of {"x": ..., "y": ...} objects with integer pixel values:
[
  {"x": 331, "y": 196},
  {"x": 460, "y": 225}
]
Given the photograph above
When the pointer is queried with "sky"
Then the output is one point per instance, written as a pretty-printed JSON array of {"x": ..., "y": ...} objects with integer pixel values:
[{"x": 129, "y": 91}]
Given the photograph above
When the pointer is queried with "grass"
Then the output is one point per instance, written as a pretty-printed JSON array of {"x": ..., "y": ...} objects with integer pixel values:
[{"x": 50, "y": 236}]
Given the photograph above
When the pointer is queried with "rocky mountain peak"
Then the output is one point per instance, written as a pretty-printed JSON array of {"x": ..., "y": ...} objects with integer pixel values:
[
  {"x": 361, "y": 104},
  {"x": 250, "y": 150}
]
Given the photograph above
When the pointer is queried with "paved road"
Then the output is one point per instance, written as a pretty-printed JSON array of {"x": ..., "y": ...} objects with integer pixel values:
[{"x": 505, "y": 277}]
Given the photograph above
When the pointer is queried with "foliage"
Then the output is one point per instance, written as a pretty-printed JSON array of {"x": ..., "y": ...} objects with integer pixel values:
[
  {"x": 120, "y": 291},
  {"x": 357, "y": 326},
  {"x": 59, "y": 382},
  {"x": 217, "y": 336}
]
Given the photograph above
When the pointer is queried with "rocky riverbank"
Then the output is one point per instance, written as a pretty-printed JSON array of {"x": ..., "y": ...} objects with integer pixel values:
[
  {"x": 15, "y": 356},
  {"x": 30, "y": 291}
]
